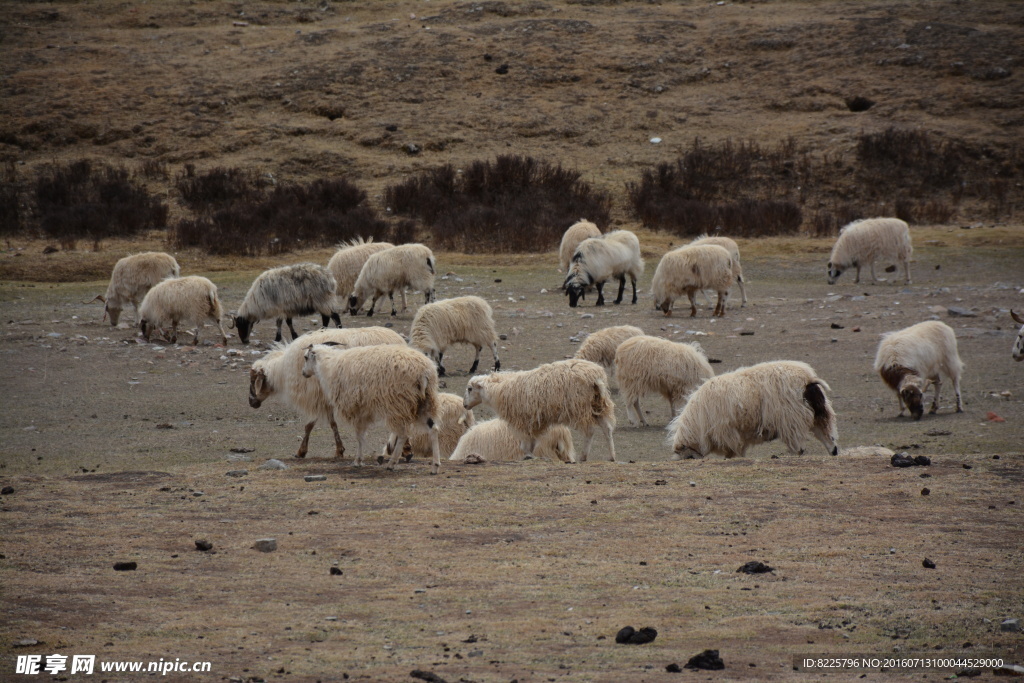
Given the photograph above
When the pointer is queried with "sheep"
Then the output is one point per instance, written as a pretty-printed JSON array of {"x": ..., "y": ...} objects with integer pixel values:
[
  {"x": 348, "y": 261},
  {"x": 131, "y": 278},
  {"x": 496, "y": 441},
  {"x": 691, "y": 268},
  {"x": 597, "y": 259},
  {"x": 863, "y": 242},
  {"x": 280, "y": 373},
  {"x": 408, "y": 265},
  {"x": 600, "y": 346},
  {"x": 734, "y": 251},
  {"x": 911, "y": 358},
  {"x": 577, "y": 232},
  {"x": 190, "y": 299},
  {"x": 453, "y": 421},
  {"x": 652, "y": 364},
  {"x": 465, "y": 319},
  {"x": 569, "y": 392},
  {"x": 751, "y": 405},
  {"x": 1018, "y": 346},
  {"x": 285, "y": 292},
  {"x": 389, "y": 383}
]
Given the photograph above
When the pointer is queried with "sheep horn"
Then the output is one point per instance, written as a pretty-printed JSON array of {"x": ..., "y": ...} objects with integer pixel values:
[
  {"x": 231, "y": 322},
  {"x": 1016, "y": 317},
  {"x": 99, "y": 297}
]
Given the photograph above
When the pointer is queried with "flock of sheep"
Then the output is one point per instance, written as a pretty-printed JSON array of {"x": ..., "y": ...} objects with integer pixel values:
[{"x": 361, "y": 376}]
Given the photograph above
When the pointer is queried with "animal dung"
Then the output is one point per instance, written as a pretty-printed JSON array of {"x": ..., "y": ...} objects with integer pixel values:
[
  {"x": 904, "y": 460},
  {"x": 203, "y": 545},
  {"x": 755, "y": 567},
  {"x": 707, "y": 660},
  {"x": 928, "y": 564},
  {"x": 125, "y": 566},
  {"x": 630, "y": 636}
]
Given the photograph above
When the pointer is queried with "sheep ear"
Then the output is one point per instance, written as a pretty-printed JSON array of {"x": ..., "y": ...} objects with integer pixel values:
[{"x": 99, "y": 297}]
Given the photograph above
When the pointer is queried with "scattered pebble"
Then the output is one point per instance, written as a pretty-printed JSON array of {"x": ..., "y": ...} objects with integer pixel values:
[
  {"x": 273, "y": 464},
  {"x": 27, "y": 642},
  {"x": 265, "y": 545},
  {"x": 315, "y": 477},
  {"x": 1010, "y": 626}
]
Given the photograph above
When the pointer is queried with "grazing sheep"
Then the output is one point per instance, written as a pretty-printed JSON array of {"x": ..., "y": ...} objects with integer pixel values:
[
  {"x": 863, "y": 242},
  {"x": 569, "y": 392},
  {"x": 348, "y": 261},
  {"x": 597, "y": 259},
  {"x": 734, "y": 251},
  {"x": 285, "y": 292},
  {"x": 465, "y": 320},
  {"x": 600, "y": 346},
  {"x": 688, "y": 269},
  {"x": 191, "y": 299},
  {"x": 390, "y": 383},
  {"x": 652, "y": 364},
  {"x": 1018, "y": 346},
  {"x": 496, "y": 441},
  {"x": 577, "y": 232},
  {"x": 733, "y": 411},
  {"x": 280, "y": 373},
  {"x": 453, "y": 420},
  {"x": 391, "y": 270},
  {"x": 132, "y": 277},
  {"x": 910, "y": 359}
]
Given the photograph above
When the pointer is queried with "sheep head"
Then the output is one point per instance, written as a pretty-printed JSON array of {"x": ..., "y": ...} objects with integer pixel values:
[
  {"x": 309, "y": 362},
  {"x": 354, "y": 304},
  {"x": 575, "y": 286},
  {"x": 244, "y": 326},
  {"x": 475, "y": 392},
  {"x": 912, "y": 393},
  {"x": 259, "y": 389},
  {"x": 834, "y": 271},
  {"x": 146, "y": 327}
]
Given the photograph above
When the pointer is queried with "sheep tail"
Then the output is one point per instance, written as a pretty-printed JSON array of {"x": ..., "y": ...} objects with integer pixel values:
[
  {"x": 602, "y": 403},
  {"x": 430, "y": 265},
  {"x": 814, "y": 395},
  {"x": 212, "y": 300}
]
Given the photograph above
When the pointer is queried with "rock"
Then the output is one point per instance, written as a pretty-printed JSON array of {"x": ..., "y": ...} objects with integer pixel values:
[
  {"x": 236, "y": 473},
  {"x": 993, "y": 417},
  {"x": 27, "y": 642},
  {"x": 673, "y": 669},
  {"x": 938, "y": 432},
  {"x": 315, "y": 477},
  {"x": 502, "y": 70},
  {"x": 203, "y": 545},
  {"x": 335, "y": 571},
  {"x": 925, "y": 491},
  {"x": 859, "y": 103},
  {"x": 922, "y": 461},
  {"x": 901, "y": 460},
  {"x": 957, "y": 311},
  {"x": 867, "y": 450},
  {"x": 707, "y": 660},
  {"x": 427, "y": 676},
  {"x": 755, "y": 567},
  {"x": 7, "y": 491},
  {"x": 125, "y": 566},
  {"x": 628, "y": 635},
  {"x": 837, "y": 326},
  {"x": 265, "y": 545},
  {"x": 1010, "y": 626},
  {"x": 928, "y": 564},
  {"x": 1009, "y": 670},
  {"x": 273, "y": 464},
  {"x": 242, "y": 449}
]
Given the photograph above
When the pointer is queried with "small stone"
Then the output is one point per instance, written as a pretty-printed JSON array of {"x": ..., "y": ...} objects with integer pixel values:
[
  {"x": 28, "y": 642},
  {"x": 6, "y": 491},
  {"x": 707, "y": 660},
  {"x": 755, "y": 567},
  {"x": 265, "y": 545},
  {"x": 273, "y": 464},
  {"x": 925, "y": 491},
  {"x": 957, "y": 311},
  {"x": 203, "y": 545},
  {"x": 236, "y": 473},
  {"x": 125, "y": 566},
  {"x": 315, "y": 477},
  {"x": 336, "y": 572},
  {"x": 1010, "y": 626},
  {"x": 673, "y": 669},
  {"x": 922, "y": 461},
  {"x": 837, "y": 326},
  {"x": 901, "y": 460},
  {"x": 928, "y": 564},
  {"x": 502, "y": 70}
]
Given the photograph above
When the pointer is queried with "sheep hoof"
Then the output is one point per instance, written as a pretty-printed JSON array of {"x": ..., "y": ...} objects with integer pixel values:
[{"x": 380, "y": 460}]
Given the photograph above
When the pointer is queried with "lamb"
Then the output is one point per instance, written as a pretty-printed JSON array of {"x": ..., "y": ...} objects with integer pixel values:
[
  {"x": 408, "y": 265},
  {"x": 279, "y": 373},
  {"x": 577, "y": 232},
  {"x": 465, "y": 319},
  {"x": 735, "y": 410},
  {"x": 863, "y": 242},
  {"x": 286, "y": 292},
  {"x": 691, "y": 268},
  {"x": 652, "y": 364},
  {"x": 600, "y": 346},
  {"x": 1018, "y": 347},
  {"x": 131, "y": 278},
  {"x": 191, "y": 299},
  {"x": 496, "y": 441},
  {"x": 734, "y": 251},
  {"x": 348, "y": 261},
  {"x": 453, "y": 422},
  {"x": 569, "y": 392},
  {"x": 597, "y": 259},
  {"x": 389, "y": 383},
  {"x": 910, "y": 359}
]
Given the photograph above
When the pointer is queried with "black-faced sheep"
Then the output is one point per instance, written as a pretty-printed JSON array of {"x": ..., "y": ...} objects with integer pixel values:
[
  {"x": 179, "y": 301},
  {"x": 598, "y": 259},
  {"x": 453, "y": 421},
  {"x": 910, "y": 359},
  {"x": 496, "y": 441},
  {"x": 408, "y": 265},
  {"x": 462, "y": 320},
  {"x": 863, "y": 242},
  {"x": 348, "y": 261},
  {"x": 132, "y": 277},
  {"x": 569, "y": 392},
  {"x": 285, "y": 292},
  {"x": 734, "y": 251},
  {"x": 279, "y": 373},
  {"x": 600, "y": 346},
  {"x": 389, "y": 383},
  {"x": 577, "y": 232},
  {"x": 688, "y": 269},
  {"x": 651, "y": 364},
  {"x": 1018, "y": 346},
  {"x": 733, "y": 411}
]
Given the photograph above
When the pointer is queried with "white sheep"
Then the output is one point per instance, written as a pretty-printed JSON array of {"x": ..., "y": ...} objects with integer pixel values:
[
  {"x": 911, "y": 358},
  {"x": 1018, "y": 346},
  {"x": 391, "y": 270},
  {"x": 131, "y": 278},
  {"x": 734, "y": 251},
  {"x": 453, "y": 421},
  {"x": 863, "y": 242},
  {"x": 175, "y": 301},
  {"x": 572, "y": 392},
  {"x": 279, "y": 373},
  {"x": 496, "y": 441},
  {"x": 576, "y": 233},
  {"x": 462, "y": 320},
  {"x": 389, "y": 383},
  {"x": 285, "y": 292},
  {"x": 600, "y": 346},
  {"x": 691, "y": 268},
  {"x": 348, "y": 261},
  {"x": 752, "y": 405},
  {"x": 598, "y": 259},
  {"x": 652, "y": 364}
]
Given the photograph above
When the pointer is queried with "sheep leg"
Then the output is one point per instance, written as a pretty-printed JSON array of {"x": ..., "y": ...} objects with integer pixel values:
[
  {"x": 174, "y": 331},
  {"x": 395, "y": 439},
  {"x": 906, "y": 270},
  {"x": 632, "y": 281},
  {"x": 600, "y": 294},
  {"x": 635, "y": 413},
  {"x": 743, "y": 291},
  {"x": 373, "y": 305},
  {"x": 609, "y": 429},
  {"x": 291, "y": 328},
  {"x": 394, "y": 312},
  {"x": 871, "y": 267},
  {"x": 494, "y": 350},
  {"x": 935, "y": 399},
  {"x": 857, "y": 278},
  {"x": 622, "y": 288},
  {"x": 671, "y": 408},
  {"x": 476, "y": 360},
  {"x": 195, "y": 335},
  {"x": 360, "y": 445},
  {"x": 405, "y": 302},
  {"x": 339, "y": 447},
  {"x": 692, "y": 296},
  {"x": 435, "y": 450},
  {"x": 440, "y": 367},
  {"x": 956, "y": 390},
  {"x": 526, "y": 445},
  {"x": 223, "y": 334},
  {"x": 588, "y": 440},
  {"x": 277, "y": 337},
  {"x": 899, "y": 399},
  {"x": 304, "y": 445}
]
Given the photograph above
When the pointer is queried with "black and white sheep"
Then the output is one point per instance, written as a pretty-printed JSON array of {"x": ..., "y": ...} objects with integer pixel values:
[
  {"x": 598, "y": 259},
  {"x": 279, "y": 373},
  {"x": 571, "y": 392},
  {"x": 734, "y": 251},
  {"x": 691, "y": 268},
  {"x": 863, "y": 242},
  {"x": 285, "y": 292},
  {"x": 181, "y": 301},
  {"x": 1018, "y": 346},
  {"x": 348, "y": 261},
  {"x": 131, "y": 278},
  {"x": 576, "y": 233},
  {"x": 911, "y": 358},
  {"x": 733, "y": 411},
  {"x": 496, "y": 441},
  {"x": 647, "y": 364},
  {"x": 462, "y": 320},
  {"x": 391, "y": 270},
  {"x": 389, "y": 383}
]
